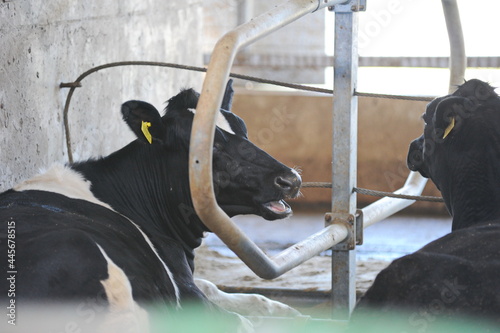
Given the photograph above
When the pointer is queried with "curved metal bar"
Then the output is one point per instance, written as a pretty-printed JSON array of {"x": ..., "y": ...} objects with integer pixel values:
[
  {"x": 458, "y": 59},
  {"x": 415, "y": 183},
  {"x": 202, "y": 137},
  {"x": 200, "y": 159}
]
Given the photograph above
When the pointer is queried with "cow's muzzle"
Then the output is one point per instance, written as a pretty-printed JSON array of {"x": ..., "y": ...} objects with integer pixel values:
[{"x": 415, "y": 158}]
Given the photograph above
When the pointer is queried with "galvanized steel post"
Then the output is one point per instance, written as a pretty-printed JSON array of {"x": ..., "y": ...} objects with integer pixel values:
[{"x": 345, "y": 122}]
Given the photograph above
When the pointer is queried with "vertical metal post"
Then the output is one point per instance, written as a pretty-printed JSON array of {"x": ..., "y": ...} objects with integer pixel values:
[{"x": 345, "y": 115}]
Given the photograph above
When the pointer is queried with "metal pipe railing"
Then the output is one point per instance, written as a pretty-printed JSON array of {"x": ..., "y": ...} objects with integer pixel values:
[
  {"x": 202, "y": 137},
  {"x": 458, "y": 59},
  {"x": 415, "y": 183},
  {"x": 385, "y": 207}
]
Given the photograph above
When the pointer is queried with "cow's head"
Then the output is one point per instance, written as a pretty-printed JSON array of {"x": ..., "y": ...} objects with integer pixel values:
[
  {"x": 246, "y": 179},
  {"x": 461, "y": 135}
]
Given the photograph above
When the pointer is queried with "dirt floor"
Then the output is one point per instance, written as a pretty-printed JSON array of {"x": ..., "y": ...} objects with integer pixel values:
[
  {"x": 307, "y": 286},
  {"x": 313, "y": 275}
]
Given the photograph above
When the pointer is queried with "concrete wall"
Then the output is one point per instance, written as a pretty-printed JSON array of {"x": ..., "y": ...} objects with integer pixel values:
[
  {"x": 219, "y": 16},
  {"x": 304, "y": 37},
  {"x": 43, "y": 43}
]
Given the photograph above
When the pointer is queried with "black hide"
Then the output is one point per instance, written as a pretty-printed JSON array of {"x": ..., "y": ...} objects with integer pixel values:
[{"x": 457, "y": 275}]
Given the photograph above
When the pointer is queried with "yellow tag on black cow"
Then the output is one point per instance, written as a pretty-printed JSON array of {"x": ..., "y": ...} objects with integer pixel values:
[
  {"x": 145, "y": 130},
  {"x": 449, "y": 128}
]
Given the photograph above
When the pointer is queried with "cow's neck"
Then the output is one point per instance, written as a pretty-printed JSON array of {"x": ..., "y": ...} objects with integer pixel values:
[
  {"x": 474, "y": 199},
  {"x": 137, "y": 183}
]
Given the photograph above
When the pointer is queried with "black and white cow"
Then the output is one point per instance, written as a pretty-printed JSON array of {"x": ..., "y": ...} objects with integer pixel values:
[
  {"x": 122, "y": 228},
  {"x": 458, "y": 274}
]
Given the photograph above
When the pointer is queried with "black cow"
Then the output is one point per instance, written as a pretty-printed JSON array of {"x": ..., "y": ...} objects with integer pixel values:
[
  {"x": 122, "y": 229},
  {"x": 457, "y": 275}
]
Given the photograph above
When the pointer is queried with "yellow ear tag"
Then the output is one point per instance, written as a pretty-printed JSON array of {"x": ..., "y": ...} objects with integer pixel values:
[
  {"x": 145, "y": 129},
  {"x": 449, "y": 128}
]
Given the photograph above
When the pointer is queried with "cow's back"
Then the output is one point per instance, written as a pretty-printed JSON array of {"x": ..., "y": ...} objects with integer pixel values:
[
  {"x": 58, "y": 247},
  {"x": 453, "y": 276}
]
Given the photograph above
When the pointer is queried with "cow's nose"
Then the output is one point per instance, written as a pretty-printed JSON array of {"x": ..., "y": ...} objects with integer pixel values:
[
  {"x": 414, "y": 159},
  {"x": 289, "y": 185}
]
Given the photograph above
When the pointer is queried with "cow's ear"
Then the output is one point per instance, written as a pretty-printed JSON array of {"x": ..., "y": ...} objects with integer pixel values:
[
  {"x": 144, "y": 120},
  {"x": 227, "y": 101},
  {"x": 446, "y": 115}
]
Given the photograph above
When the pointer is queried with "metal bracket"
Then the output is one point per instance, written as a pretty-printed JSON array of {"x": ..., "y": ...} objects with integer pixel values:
[
  {"x": 354, "y": 225},
  {"x": 349, "y": 221},
  {"x": 350, "y": 6}
]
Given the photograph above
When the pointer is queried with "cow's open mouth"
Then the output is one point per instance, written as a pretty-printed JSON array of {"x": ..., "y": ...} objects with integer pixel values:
[
  {"x": 271, "y": 210},
  {"x": 278, "y": 208}
]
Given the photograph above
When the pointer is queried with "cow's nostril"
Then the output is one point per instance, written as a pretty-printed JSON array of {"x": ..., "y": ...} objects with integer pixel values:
[{"x": 283, "y": 183}]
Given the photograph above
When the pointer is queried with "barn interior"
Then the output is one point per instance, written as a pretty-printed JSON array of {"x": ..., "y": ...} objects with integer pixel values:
[{"x": 45, "y": 44}]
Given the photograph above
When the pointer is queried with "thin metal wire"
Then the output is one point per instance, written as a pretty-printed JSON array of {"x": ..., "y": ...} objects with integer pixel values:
[
  {"x": 376, "y": 193},
  {"x": 77, "y": 83},
  {"x": 398, "y": 196},
  {"x": 401, "y": 97}
]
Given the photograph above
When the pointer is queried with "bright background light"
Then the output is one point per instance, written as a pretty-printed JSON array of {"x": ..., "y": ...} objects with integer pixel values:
[{"x": 412, "y": 28}]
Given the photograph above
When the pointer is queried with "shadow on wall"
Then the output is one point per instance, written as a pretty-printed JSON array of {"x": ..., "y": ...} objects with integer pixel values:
[{"x": 296, "y": 129}]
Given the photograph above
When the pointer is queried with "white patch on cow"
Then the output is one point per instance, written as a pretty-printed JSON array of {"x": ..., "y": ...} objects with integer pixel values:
[
  {"x": 245, "y": 304},
  {"x": 62, "y": 180},
  {"x": 125, "y": 313},
  {"x": 117, "y": 286},
  {"x": 221, "y": 122}
]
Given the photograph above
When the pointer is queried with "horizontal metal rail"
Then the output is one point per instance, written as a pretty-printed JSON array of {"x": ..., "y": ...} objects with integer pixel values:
[
  {"x": 321, "y": 61},
  {"x": 415, "y": 183},
  {"x": 202, "y": 137},
  {"x": 386, "y": 207}
]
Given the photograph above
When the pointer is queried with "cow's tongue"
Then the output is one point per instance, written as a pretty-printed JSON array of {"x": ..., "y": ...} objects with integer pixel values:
[{"x": 278, "y": 207}]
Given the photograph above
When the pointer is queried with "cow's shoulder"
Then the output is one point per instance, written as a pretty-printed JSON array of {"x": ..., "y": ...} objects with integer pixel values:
[
  {"x": 453, "y": 271},
  {"x": 49, "y": 218},
  {"x": 63, "y": 180},
  {"x": 475, "y": 243}
]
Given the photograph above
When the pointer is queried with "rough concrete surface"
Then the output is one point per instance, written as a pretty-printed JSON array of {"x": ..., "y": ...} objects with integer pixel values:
[{"x": 44, "y": 43}]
